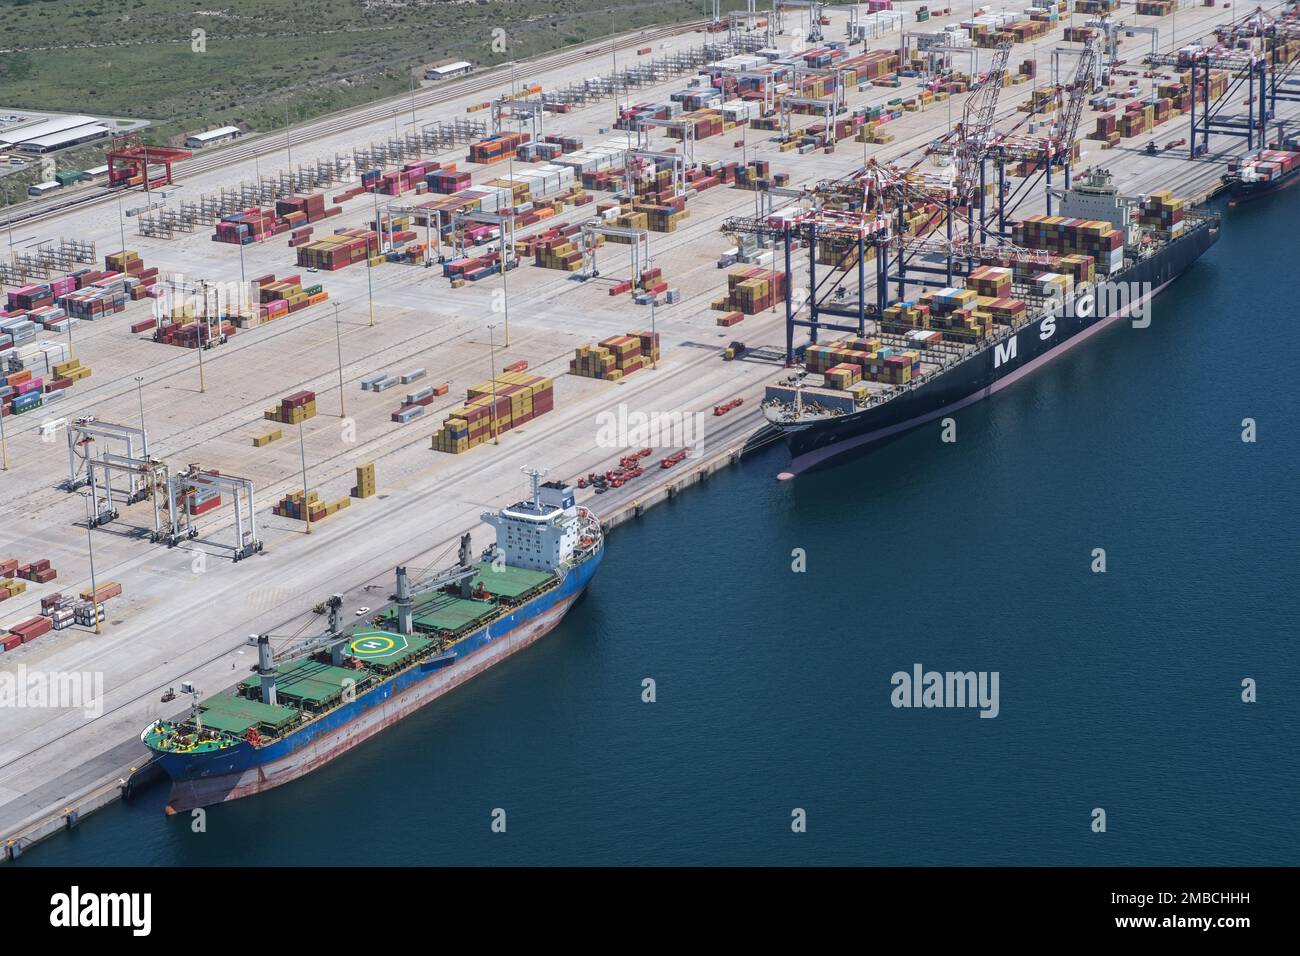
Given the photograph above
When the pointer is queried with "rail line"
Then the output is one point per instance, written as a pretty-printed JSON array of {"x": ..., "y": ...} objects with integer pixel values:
[{"x": 341, "y": 122}]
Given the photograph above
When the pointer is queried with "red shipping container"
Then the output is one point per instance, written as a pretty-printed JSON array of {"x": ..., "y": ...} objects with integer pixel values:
[{"x": 33, "y": 628}]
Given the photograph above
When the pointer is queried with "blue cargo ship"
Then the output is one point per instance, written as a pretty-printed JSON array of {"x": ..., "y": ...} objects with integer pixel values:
[{"x": 309, "y": 703}]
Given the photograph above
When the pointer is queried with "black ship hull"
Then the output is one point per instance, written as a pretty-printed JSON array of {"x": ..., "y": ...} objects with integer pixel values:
[
  {"x": 994, "y": 366},
  {"x": 1244, "y": 191}
]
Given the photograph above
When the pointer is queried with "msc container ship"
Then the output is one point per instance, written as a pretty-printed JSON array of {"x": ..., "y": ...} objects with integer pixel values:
[
  {"x": 923, "y": 364},
  {"x": 308, "y": 704}
]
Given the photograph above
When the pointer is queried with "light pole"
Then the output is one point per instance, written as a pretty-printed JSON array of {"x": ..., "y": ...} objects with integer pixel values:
[
  {"x": 306, "y": 505},
  {"x": 492, "y": 363},
  {"x": 139, "y": 392},
  {"x": 4, "y": 446},
  {"x": 338, "y": 342},
  {"x": 370, "y": 292},
  {"x": 412, "y": 102},
  {"x": 9, "y": 220},
  {"x": 204, "y": 287},
  {"x": 94, "y": 590},
  {"x": 654, "y": 351},
  {"x": 121, "y": 223},
  {"x": 505, "y": 290}
]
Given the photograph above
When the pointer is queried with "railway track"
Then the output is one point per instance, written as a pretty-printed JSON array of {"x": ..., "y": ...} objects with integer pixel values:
[{"x": 333, "y": 124}]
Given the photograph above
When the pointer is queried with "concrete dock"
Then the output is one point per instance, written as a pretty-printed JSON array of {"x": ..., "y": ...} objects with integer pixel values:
[{"x": 187, "y": 612}]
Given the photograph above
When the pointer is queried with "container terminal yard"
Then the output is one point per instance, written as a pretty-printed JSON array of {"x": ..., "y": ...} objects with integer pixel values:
[{"x": 334, "y": 426}]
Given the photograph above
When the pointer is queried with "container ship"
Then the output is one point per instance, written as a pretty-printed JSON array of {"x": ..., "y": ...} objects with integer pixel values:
[
  {"x": 951, "y": 348},
  {"x": 313, "y": 701},
  {"x": 1263, "y": 172}
]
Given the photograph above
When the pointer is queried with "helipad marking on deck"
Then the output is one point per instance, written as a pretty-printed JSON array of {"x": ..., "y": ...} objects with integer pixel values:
[{"x": 376, "y": 646}]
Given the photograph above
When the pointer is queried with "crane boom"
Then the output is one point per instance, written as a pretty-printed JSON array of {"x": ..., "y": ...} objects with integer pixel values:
[
  {"x": 460, "y": 574},
  {"x": 1076, "y": 93},
  {"x": 267, "y": 659},
  {"x": 977, "y": 118}
]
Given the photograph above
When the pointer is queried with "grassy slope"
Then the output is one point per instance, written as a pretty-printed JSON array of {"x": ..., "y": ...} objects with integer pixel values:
[{"x": 266, "y": 58}]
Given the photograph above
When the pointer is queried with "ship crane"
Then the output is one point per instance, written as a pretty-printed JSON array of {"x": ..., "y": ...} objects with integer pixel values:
[
  {"x": 462, "y": 574},
  {"x": 332, "y": 640}
]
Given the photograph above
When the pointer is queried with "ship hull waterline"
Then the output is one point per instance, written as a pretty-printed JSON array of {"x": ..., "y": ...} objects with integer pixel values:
[{"x": 819, "y": 442}]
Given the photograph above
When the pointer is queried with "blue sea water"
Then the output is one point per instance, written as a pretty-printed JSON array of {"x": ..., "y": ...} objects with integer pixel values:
[{"x": 1120, "y": 691}]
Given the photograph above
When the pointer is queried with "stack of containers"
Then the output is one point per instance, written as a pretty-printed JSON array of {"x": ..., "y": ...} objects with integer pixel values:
[
  {"x": 189, "y": 333},
  {"x": 447, "y": 180},
  {"x": 345, "y": 247},
  {"x": 538, "y": 152},
  {"x": 990, "y": 281},
  {"x": 300, "y": 507},
  {"x": 493, "y": 149},
  {"x": 365, "y": 486},
  {"x": 519, "y": 398},
  {"x": 1107, "y": 129},
  {"x": 555, "y": 248},
  {"x": 1264, "y": 166},
  {"x": 103, "y": 591},
  {"x": 241, "y": 228},
  {"x": 1164, "y": 213},
  {"x": 751, "y": 290},
  {"x": 69, "y": 370},
  {"x": 613, "y": 358},
  {"x": 914, "y": 314},
  {"x": 1065, "y": 236},
  {"x": 293, "y": 409},
  {"x": 843, "y": 376},
  {"x": 17, "y": 329},
  {"x": 27, "y": 631},
  {"x": 924, "y": 338},
  {"x": 471, "y": 268},
  {"x": 22, "y": 392},
  {"x": 956, "y": 312},
  {"x": 297, "y": 211},
  {"x": 820, "y": 359},
  {"x": 87, "y": 614},
  {"x": 868, "y": 357},
  {"x": 1138, "y": 117}
]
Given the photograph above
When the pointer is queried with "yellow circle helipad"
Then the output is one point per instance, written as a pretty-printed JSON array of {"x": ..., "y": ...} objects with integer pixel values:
[{"x": 375, "y": 646}]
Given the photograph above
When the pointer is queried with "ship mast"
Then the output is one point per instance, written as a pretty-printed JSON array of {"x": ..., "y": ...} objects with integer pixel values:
[{"x": 536, "y": 476}]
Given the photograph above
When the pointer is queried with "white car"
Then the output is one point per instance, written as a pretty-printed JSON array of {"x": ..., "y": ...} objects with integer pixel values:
[{"x": 362, "y": 611}]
